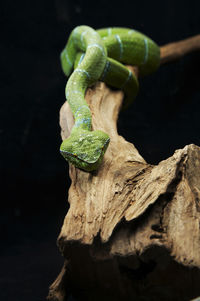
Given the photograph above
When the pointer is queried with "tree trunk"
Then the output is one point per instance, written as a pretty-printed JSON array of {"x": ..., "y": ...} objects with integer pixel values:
[{"x": 132, "y": 231}]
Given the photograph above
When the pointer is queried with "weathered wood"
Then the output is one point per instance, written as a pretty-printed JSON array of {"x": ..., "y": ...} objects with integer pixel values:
[
  {"x": 132, "y": 229},
  {"x": 174, "y": 51}
]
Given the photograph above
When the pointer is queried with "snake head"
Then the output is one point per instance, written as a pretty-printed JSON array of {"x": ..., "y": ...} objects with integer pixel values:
[{"x": 85, "y": 149}]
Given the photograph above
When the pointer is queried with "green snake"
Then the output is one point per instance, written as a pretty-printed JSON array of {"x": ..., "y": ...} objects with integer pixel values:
[{"x": 92, "y": 55}]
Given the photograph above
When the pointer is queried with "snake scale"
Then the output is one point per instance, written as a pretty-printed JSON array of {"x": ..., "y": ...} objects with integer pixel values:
[{"x": 92, "y": 55}]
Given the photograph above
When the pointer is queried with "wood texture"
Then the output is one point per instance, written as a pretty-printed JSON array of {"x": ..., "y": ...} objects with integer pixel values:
[
  {"x": 174, "y": 51},
  {"x": 132, "y": 228}
]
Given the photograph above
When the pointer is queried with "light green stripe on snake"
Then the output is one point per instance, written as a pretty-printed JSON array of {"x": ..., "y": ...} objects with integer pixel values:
[{"x": 100, "y": 55}]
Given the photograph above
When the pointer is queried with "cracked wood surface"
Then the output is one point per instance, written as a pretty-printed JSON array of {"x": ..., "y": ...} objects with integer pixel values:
[{"x": 125, "y": 185}]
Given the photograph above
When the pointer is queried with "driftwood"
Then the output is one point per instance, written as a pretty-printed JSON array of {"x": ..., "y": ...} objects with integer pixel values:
[{"x": 132, "y": 231}]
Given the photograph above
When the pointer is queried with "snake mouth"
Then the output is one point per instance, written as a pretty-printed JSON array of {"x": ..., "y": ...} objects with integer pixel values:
[{"x": 67, "y": 155}]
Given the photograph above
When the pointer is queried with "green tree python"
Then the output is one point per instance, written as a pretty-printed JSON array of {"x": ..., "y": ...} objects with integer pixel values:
[{"x": 92, "y": 55}]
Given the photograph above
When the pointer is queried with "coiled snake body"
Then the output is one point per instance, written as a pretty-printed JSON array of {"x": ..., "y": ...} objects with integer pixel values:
[{"x": 98, "y": 55}]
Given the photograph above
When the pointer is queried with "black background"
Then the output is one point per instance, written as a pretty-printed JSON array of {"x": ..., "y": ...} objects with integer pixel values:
[{"x": 34, "y": 176}]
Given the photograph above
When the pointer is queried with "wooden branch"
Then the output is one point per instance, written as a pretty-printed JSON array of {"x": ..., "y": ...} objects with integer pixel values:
[
  {"x": 130, "y": 219},
  {"x": 174, "y": 51}
]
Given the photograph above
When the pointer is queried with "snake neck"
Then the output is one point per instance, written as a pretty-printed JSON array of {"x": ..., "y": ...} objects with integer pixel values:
[{"x": 75, "y": 92}]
